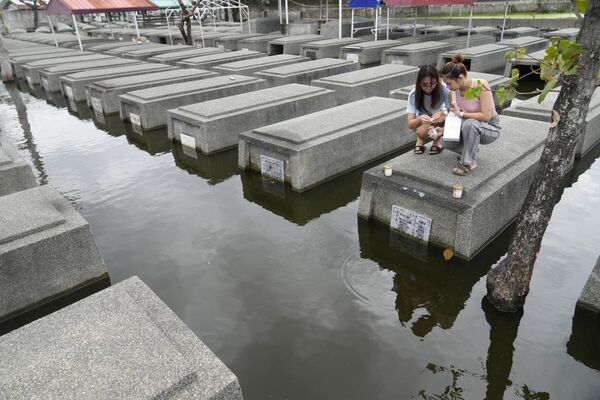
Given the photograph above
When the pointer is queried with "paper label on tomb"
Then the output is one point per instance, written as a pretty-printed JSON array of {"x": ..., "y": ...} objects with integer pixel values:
[
  {"x": 272, "y": 167},
  {"x": 29, "y": 82},
  {"x": 135, "y": 119},
  {"x": 45, "y": 84},
  {"x": 69, "y": 92},
  {"x": 187, "y": 140},
  {"x": 352, "y": 57},
  {"x": 245, "y": 48},
  {"x": 96, "y": 104},
  {"x": 220, "y": 46},
  {"x": 410, "y": 223}
]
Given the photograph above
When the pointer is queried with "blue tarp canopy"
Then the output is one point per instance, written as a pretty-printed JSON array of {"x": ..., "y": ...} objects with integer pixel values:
[{"x": 365, "y": 3}]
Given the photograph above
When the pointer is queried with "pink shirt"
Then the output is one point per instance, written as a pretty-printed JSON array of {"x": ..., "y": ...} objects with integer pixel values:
[{"x": 469, "y": 105}]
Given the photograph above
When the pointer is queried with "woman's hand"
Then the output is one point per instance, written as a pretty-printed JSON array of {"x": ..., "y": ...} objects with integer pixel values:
[
  {"x": 424, "y": 119},
  {"x": 455, "y": 109}
]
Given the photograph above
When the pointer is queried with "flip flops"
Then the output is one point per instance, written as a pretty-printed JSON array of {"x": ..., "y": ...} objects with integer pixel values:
[
  {"x": 463, "y": 170},
  {"x": 419, "y": 149},
  {"x": 435, "y": 150}
]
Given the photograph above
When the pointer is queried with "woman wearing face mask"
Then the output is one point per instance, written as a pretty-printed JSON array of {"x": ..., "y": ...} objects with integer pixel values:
[
  {"x": 426, "y": 109},
  {"x": 480, "y": 123}
]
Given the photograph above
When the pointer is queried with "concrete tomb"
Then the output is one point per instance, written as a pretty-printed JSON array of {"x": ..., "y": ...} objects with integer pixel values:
[
  {"x": 104, "y": 95},
  {"x": 485, "y": 58},
  {"x": 375, "y": 81},
  {"x": 367, "y": 53},
  {"x": 208, "y": 61},
  {"x": 58, "y": 54},
  {"x": 210, "y": 39},
  {"x": 50, "y": 76},
  {"x": 308, "y": 150},
  {"x": 417, "y": 54},
  {"x": 529, "y": 43},
  {"x": 306, "y": 72},
  {"x": 214, "y": 125},
  {"x": 525, "y": 63},
  {"x": 258, "y": 43},
  {"x": 329, "y": 48},
  {"x": 460, "y": 42},
  {"x": 566, "y": 33},
  {"x": 147, "y": 108},
  {"x": 74, "y": 85},
  {"x": 590, "y": 296},
  {"x": 120, "y": 343},
  {"x": 230, "y": 43},
  {"x": 251, "y": 66},
  {"x": 517, "y": 32},
  {"x": 531, "y": 109},
  {"x": 417, "y": 200},
  {"x": 172, "y": 57},
  {"x": 119, "y": 51},
  {"x": 15, "y": 174},
  {"x": 290, "y": 44},
  {"x": 46, "y": 251},
  {"x": 144, "y": 54},
  {"x": 447, "y": 30},
  {"x": 478, "y": 30},
  {"x": 104, "y": 47},
  {"x": 31, "y": 71}
]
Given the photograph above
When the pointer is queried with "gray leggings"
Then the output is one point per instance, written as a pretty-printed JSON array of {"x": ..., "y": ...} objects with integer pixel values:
[{"x": 473, "y": 133}]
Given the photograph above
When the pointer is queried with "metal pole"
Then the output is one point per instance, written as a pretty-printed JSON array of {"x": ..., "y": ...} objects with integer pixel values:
[
  {"x": 450, "y": 12},
  {"x": 242, "y": 18},
  {"x": 504, "y": 22},
  {"x": 415, "y": 24},
  {"x": 137, "y": 30},
  {"x": 326, "y": 10},
  {"x": 110, "y": 26},
  {"x": 340, "y": 19},
  {"x": 167, "y": 12},
  {"x": 52, "y": 29},
  {"x": 470, "y": 25},
  {"x": 280, "y": 12},
  {"x": 199, "y": 18},
  {"x": 426, "y": 18},
  {"x": 352, "y": 24},
  {"x": 387, "y": 31},
  {"x": 321, "y": 11},
  {"x": 77, "y": 31},
  {"x": 376, "y": 22},
  {"x": 249, "y": 26},
  {"x": 287, "y": 17}
]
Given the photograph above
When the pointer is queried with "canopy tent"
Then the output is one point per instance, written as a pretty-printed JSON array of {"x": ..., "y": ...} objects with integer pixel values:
[
  {"x": 212, "y": 6},
  {"x": 375, "y": 4},
  {"x": 66, "y": 7},
  {"x": 170, "y": 7},
  {"x": 506, "y": 5}
]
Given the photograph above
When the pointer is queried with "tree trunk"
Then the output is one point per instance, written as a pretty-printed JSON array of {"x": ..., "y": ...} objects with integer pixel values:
[
  {"x": 508, "y": 283},
  {"x": 6, "y": 73}
]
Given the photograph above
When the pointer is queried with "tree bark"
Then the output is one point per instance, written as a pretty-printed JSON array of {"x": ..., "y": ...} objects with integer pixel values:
[
  {"x": 6, "y": 73},
  {"x": 508, "y": 283}
]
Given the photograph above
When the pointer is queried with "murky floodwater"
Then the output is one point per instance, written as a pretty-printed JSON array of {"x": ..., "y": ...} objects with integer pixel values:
[{"x": 300, "y": 298}]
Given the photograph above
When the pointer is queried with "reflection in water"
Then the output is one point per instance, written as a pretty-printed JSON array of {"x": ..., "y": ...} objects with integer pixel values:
[
  {"x": 300, "y": 208},
  {"x": 111, "y": 124},
  {"x": 423, "y": 279},
  {"x": 29, "y": 143},
  {"x": 214, "y": 169},
  {"x": 56, "y": 99},
  {"x": 153, "y": 142},
  {"x": 584, "y": 343}
]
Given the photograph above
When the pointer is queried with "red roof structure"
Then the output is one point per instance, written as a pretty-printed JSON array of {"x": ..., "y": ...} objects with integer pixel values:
[
  {"x": 414, "y": 3},
  {"x": 66, "y": 7}
]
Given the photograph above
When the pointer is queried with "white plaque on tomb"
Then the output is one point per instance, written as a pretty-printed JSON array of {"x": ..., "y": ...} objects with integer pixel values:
[
  {"x": 187, "y": 140},
  {"x": 29, "y": 82},
  {"x": 398, "y": 62},
  {"x": 245, "y": 48},
  {"x": 100, "y": 117},
  {"x": 69, "y": 92},
  {"x": 135, "y": 119},
  {"x": 272, "y": 167},
  {"x": 96, "y": 104},
  {"x": 45, "y": 84},
  {"x": 409, "y": 222},
  {"x": 352, "y": 57},
  {"x": 220, "y": 46}
]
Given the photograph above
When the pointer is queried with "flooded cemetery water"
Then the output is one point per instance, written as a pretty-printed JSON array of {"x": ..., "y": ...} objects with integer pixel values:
[{"x": 300, "y": 298}]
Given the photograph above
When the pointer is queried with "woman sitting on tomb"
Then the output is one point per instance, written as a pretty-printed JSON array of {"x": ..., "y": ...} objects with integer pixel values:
[
  {"x": 480, "y": 122},
  {"x": 427, "y": 108}
]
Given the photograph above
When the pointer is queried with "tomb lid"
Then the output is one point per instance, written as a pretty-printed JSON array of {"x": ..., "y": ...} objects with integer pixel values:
[
  {"x": 41, "y": 63},
  {"x": 99, "y": 73},
  {"x": 329, "y": 42},
  {"x": 519, "y": 138},
  {"x": 151, "y": 50},
  {"x": 191, "y": 53},
  {"x": 219, "y": 56},
  {"x": 523, "y": 40},
  {"x": 296, "y": 38},
  {"x": 349, "y": 116},
  {"x": 4, "y": 157},
  {"x": 418, "y": 46},
  {"x": 88, "y": 64},
  {"x": 154, "y": 77},
  {"x": 254, "y": 62},
  {"x": 266, "y": 38},
  {"x": 306, "y": 66},
  {"x": 106, "y": 346},
  {"x": 370, "y": 74},
  {"x": 190, "y": 87},
  {"x": 532, "y": 106},
  {"x": 251, "y": 100},
  {"x": 372, "y": 44},
  {"x": 25, "y": 213},
  {"x": 480, "y": 50}
]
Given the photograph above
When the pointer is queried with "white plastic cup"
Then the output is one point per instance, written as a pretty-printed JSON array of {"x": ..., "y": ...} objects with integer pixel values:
[
  {"x": 387, "y": 170},
  {"x": 457, "y": 190}
]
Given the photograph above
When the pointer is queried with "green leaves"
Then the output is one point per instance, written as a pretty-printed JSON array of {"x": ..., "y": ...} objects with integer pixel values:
[
  {"x": 518, "y": 54},
  {"x": 474, "y": 92},
  {"x": 581, "y": 5},
  {"x": 547, "y": 88}
]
